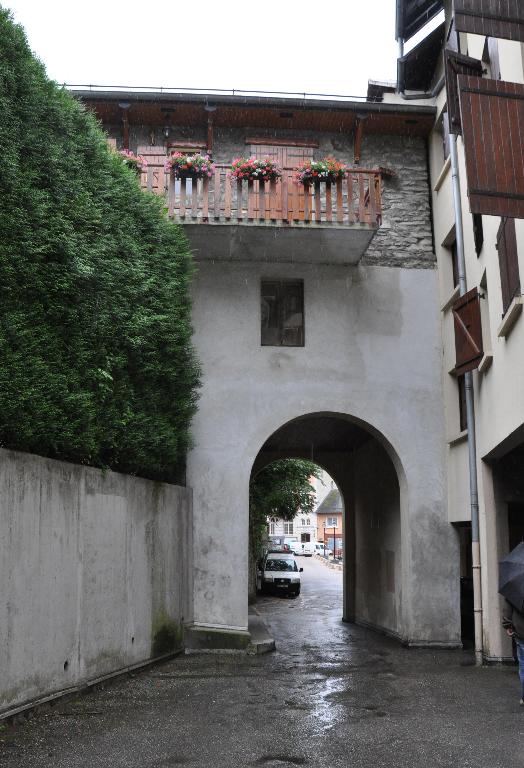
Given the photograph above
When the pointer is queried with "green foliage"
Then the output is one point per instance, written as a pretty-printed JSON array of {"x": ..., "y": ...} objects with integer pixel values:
[
  {"x": 96, "y": 362},
  {"x": 282, "y": 489}
]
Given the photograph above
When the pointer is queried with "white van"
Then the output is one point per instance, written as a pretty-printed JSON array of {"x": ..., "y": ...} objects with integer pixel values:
[
  {"x": 319, "y": 548},
  {"x": 300, "y": 547},
  {"x": 279, "y": 574}
]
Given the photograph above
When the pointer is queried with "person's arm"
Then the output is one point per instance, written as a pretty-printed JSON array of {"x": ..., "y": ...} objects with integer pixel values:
[{"x": 507, "y": 619}]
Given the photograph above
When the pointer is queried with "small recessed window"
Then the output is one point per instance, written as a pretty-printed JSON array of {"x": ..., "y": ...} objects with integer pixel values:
[
  {"x": 282, "y": 313},
  {"x": 455, "y": 264},
  {"x": 463, "y": 416}
]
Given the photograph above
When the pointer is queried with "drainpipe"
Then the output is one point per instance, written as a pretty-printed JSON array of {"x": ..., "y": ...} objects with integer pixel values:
[
  {"x": 470, "y": 414},
  {"x": 425, "y": 94}
]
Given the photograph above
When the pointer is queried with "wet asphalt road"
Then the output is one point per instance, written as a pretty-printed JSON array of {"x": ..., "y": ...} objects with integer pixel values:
[{"x": 331, "y": 695}]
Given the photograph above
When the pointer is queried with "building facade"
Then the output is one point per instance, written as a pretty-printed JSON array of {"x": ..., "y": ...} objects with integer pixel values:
[
  {"x": 316, "y": 321},
  {"x": 330, "y": 522},
  {"x": 471, "y": 66}
]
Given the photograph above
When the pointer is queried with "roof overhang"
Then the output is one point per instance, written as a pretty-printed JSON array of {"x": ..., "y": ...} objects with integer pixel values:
[
  {"x": 413, "y": 15},
  {"x": 191, "y": 109},
  {"x": 416, "y": 69}
]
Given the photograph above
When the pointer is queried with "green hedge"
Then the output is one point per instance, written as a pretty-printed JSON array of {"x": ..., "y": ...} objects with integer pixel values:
[{"x": 96, "y": 362}]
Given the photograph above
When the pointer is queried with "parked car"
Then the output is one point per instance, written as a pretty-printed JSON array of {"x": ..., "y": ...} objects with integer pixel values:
[{"x": 279, "y": 574}]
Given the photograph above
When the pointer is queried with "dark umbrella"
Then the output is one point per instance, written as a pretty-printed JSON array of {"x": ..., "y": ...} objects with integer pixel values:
[{"x": 511, "y": 577}]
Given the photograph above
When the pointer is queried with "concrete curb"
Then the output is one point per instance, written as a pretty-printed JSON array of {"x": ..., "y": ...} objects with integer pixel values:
[
  {"x": 261, "y": 640},
  {"x": 329, "y": 563}
]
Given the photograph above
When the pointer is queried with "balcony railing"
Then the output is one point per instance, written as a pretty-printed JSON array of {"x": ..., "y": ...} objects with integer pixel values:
[{"x": 354, "y": 201}]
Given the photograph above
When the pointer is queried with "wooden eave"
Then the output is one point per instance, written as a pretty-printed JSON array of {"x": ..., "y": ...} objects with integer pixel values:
[{"x": 157, "y": 109}]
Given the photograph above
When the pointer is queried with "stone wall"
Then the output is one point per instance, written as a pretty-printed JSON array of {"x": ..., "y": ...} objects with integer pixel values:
[
  {"x": 405, "y": 238},
  {"x": 94, "y": 574}
]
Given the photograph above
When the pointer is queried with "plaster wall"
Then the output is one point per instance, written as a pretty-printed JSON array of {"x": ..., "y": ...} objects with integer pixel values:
[
  {"x": 371, "y": 353},
  {"x": 376, "y": 509},
  {"x": 92, "y": 566}
]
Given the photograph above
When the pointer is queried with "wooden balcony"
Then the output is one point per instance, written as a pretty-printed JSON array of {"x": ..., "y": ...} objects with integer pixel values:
[{"x": 336, "y": 220}]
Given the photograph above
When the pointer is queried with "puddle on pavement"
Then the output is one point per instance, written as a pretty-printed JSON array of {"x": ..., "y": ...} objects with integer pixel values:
[
  {"x": 329, "y": 714},
  {"x": 281, "y": 760}
]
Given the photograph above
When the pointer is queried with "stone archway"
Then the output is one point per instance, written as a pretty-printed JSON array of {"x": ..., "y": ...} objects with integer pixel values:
[{"x": 369, "y": 484}]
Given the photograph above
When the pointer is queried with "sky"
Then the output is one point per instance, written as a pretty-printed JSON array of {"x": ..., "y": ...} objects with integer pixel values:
[{"x": 330, "y": 47}]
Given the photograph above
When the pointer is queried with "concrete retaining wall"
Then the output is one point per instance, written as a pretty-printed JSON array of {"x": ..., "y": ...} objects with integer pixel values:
[{"x": 93, "y": 573}]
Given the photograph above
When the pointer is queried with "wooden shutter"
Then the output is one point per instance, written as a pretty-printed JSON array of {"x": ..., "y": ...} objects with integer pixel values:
[
  {"x": 154, "y": 176},
  {"x": 456, "y": 64},
  {"x": 468, "y": 332},
  {"x": 493, "y": 18},
  {"x": 508, "y": 262},
  {"x": 492, "y": 114}
]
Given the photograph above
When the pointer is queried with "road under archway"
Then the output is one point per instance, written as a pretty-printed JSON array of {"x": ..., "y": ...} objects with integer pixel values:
[{"x": 367, "y": 479}]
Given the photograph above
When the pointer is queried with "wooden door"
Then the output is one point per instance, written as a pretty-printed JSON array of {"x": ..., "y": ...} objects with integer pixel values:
[{"x": 289, "y": 196}]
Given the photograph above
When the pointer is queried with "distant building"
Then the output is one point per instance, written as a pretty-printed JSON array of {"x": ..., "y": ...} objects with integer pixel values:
[{"x": 330, "y": 521}]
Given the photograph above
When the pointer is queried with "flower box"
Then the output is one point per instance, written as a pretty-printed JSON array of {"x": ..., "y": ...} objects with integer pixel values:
[
  {"x": 255, "y": 169},
  {"x": 315, "y": 171},
  {"x": 190, "y": 166},
  {"x": 137, "y": 163}
]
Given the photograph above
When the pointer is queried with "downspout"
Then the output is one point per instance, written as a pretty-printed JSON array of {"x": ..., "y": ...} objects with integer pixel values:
[{"x": 470, "y": 415}]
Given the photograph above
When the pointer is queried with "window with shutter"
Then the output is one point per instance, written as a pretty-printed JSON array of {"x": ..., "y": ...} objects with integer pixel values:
[
  {"x": 468, "y": 332},
  {"x": 494, "y": 18},
  {"x": 457, "y": 64},
  {"x": 508, "y": 262},
  {"x": 492, "y": 115}
]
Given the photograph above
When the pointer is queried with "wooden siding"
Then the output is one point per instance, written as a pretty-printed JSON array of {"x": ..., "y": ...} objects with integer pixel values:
[
  {"x": 468, "y": 332},
  {"x": 492, "y": 18},
  {"x": 492, "y": 114}
]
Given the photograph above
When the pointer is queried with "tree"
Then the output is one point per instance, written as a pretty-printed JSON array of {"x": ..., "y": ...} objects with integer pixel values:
[
  {"x": 281, "y": 489},
  {"x": 96, "y": 361}
]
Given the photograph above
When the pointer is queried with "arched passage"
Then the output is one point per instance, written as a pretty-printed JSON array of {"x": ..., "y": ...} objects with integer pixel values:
[{"x": 357, "y": 458}]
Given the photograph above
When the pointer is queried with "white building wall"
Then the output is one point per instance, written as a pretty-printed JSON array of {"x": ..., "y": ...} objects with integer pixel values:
[
  {"x": 499, "y": 390},
  {"x": 380, "y": 367}
]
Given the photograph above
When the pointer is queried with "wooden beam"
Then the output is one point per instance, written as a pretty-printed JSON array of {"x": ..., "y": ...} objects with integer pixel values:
[
  {"x": 278, "y": 142},
  {"x": 125, "y": 131},
  {"x": 359, "y": 129},
  {"x": 209, "y": 134}
]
